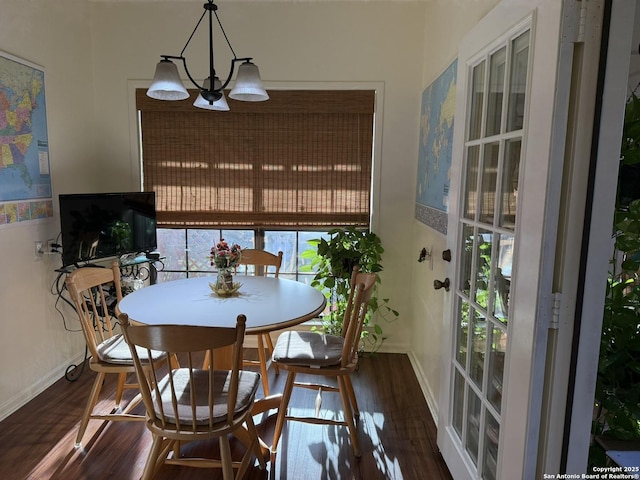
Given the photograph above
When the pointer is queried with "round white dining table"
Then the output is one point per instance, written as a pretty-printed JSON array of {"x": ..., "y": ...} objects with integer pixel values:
[{"x": 268, "y": 303}]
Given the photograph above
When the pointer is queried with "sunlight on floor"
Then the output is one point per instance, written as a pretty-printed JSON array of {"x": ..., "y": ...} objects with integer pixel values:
[{"x": 371, "y": 424}]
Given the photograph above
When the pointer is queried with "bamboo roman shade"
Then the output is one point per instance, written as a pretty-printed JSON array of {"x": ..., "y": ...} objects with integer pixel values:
[{"x": 300, "y": 160}]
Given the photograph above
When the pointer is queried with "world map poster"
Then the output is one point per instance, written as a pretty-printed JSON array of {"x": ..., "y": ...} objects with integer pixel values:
[
  {"x": 435, "y": 149},
  {"x": 25, "y": 177}
]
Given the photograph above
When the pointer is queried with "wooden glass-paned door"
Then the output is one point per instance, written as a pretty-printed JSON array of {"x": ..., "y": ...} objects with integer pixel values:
[
  {"x": 505, "y": 121},
  {"x": 486, "y": 227}
]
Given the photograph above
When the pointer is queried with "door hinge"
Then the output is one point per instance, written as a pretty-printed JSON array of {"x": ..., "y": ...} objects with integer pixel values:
[
  {"x": 555, "y": 312},
  {"x": 574, "y": 21}
]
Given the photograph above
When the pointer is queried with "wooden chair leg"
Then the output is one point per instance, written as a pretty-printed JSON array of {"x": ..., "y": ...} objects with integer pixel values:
[
  {"x": 151, "y": 464},
  {"x": 352, "y": 397},
  {"x": 91, "y": 403},
  {"x": 282, "y": 411},
  {"x": 122, "y": 379},
  {"x": 267, "y": 337},
  {"x": 206, "y": 363},
  {"x": 253, "y": 448},
  {"x": 348, "y": 415},
  {"x": 263, "y": 366},
  {"x": 257, "y": 450},
  {"x": 225, "y": 457}
]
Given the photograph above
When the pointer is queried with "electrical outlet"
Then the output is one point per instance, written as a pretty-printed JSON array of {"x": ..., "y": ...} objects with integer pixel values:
[
  {"x": 50, "y": 247},
  {"x": 39, "y": 247}
]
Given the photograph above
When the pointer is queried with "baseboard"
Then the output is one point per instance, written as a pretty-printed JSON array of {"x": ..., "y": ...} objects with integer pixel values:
[
  {"x": 432, "y": 402},
  {"x": 28, "y": 394}
]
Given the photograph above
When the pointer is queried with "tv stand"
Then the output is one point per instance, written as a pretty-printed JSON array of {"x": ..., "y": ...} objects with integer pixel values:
[
  {"x": 132, "y": 266},
  {"x": 137, "y": 266}
]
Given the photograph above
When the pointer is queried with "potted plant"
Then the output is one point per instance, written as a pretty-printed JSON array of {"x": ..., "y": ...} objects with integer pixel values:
[{"x": 333, "y": 261}]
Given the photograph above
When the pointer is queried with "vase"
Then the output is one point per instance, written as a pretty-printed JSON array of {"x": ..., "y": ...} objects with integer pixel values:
[{"x": 224, "y": 280}]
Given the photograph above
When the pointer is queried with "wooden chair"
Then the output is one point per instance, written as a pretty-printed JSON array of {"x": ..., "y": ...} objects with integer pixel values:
[
  {"x": 95, "y": 292},
  {"x": 194, "y": 403},
  {"x": 324, "y": 355},
  {"x": 261, "y": 260}
]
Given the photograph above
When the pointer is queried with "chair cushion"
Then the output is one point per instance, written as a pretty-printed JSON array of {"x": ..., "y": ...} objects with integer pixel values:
[
  {"x": 115, "y": 350},
  {"x": 247, "y": 387},
  {"x": 308, "y": 348}
]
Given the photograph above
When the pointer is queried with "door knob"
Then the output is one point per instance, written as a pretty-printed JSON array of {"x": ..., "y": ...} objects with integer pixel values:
[
  {"x": 437, "y": 284},
  {"x": 446, "y": 255}
]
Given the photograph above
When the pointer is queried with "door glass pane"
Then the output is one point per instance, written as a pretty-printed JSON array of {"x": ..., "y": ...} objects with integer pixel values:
[
  {"x": 496, "y": 91},
  {"x": 477, "y": 97},
  {"x": 471, "y": 182},
  {"x": 483, "y": 245},
  {"x": 465, "y": 260},
  {"x": 488, "y": 182},
  {"x": 510, "y": 175},
  {"x": 496, "y": 367},
  {"x": 458, "y": 402},
  {"x": 492, "y": 435},
  {"x": 473, "y": 424},
  {"x": 502, "y": 277},
  {"x": 518, "y": 83},
  {"x": 462, "y": 334},
  {"x": 478, "y": 347}
]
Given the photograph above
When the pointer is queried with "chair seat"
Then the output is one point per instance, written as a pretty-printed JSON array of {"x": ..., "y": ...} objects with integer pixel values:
[
  {"x": 308, "y": 348},
  {"x": 115, "y": 350},
  {"x": 247, "y": 386}
]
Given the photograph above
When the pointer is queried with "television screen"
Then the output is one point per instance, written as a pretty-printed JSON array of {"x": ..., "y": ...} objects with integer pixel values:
[{"x": 101, "y": 225}]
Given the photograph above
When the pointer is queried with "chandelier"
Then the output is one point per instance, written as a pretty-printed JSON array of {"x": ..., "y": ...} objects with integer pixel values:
[{"x": 167, "y": 85}]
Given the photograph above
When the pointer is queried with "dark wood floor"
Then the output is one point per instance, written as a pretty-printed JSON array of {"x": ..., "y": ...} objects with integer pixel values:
[{"x": 396, "y": 431}]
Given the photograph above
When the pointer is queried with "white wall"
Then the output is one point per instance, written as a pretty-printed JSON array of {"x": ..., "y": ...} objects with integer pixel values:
[
  {"x": 446, "y": 23},
  {"x": 34, "y": 346},
  {"x": 93, "y": 52}
]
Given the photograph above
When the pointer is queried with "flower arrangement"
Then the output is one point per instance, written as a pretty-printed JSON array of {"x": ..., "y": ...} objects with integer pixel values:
[{"x": 225, "y": 257}]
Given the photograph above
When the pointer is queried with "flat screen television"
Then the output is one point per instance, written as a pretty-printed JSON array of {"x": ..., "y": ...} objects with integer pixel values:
[{"x": 101, "y": 225}]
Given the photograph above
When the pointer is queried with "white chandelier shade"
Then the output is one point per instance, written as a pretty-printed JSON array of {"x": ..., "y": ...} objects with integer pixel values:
[
  {"x": 220, "y": 105},
  {"x": 248, "y": 86},
  {"x": 166, "y": 83}
]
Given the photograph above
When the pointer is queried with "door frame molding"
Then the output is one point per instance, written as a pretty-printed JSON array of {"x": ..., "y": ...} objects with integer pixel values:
[{"x": 597, "y": 242}]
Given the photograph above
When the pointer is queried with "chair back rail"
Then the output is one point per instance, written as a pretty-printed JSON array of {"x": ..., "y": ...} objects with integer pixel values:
[
  {"x": 95, "y": 293},
  {"x": 362, "y": 286},
  {"x": 326, "y": 356},
  {"x": 261, "y": 260},
  {"x": 184, "y": 341},
  {"x": 190, "y": 401},
  {"x": 86, "y": 288}
]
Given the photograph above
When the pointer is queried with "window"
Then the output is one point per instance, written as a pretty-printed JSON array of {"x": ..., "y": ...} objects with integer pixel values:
[
  {"x": 268, "y": 173},
  {"x": 186, "y": 250}
]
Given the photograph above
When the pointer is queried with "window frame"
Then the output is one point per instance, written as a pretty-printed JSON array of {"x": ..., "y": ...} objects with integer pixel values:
[{"x": 135, "y": 146}]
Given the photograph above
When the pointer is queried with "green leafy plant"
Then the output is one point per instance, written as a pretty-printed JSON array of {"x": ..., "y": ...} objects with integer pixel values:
[
  {"x": 617, "y": 413},
  {"x": 618, "y": 382},
  {"x": 333, "y": 261}
]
